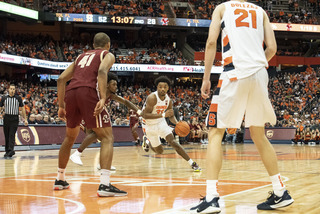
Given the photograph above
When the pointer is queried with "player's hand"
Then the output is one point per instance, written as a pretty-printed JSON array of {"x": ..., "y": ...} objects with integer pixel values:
[
  {"x": 62, "y": 114},
  {"x": 99, "y": 107},
  {"x": 205, "y": 89},
  {"x": 169, "y": 113},
  {"x": 26, "y": 122}
]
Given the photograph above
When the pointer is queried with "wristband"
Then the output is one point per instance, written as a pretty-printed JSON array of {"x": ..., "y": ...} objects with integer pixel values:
[
  {"x": 139, "y": 112},
  {"x": 163, "y": 114}
]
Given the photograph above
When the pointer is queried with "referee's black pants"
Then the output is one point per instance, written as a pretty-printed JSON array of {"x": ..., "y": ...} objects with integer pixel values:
[{"x": 10, "y": 126}]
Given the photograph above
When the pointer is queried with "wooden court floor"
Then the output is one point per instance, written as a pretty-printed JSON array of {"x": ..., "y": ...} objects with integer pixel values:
[{"x": 157, "y": 183}]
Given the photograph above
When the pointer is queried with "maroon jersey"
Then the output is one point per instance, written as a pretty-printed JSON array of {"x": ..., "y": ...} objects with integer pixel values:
[
  {"x": 86, "y": 69},
  {"x": 134, "y": 118}
]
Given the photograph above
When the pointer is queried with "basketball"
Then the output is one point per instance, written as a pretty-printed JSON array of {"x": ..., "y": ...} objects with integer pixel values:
[{"x": 182, "y": 128}]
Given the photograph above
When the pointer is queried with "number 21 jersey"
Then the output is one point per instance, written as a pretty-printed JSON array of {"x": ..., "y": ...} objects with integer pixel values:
[{"x": 242, "y": 39}]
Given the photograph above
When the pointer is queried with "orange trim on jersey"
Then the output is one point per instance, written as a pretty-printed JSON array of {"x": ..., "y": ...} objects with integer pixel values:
[
  {"x": 227, "y": 60},
  {"x": 233, "y": 79},
  {"x": 213, "y": 107},
  {"x": 225, "y": 40},
  {"x": 219, "y": 84}
]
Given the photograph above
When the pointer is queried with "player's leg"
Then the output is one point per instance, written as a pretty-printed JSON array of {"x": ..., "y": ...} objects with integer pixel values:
[
  {"x": 259, "y": 111},
  {"x": 64, "y": 153},
  {"x": 280, "y": 196},
  {"x": 73, "y": 117},
  {"x": 135, "y": 133},
  {"x": 106, "y": 154},
  {"x": 145, "y": 140},
  {"x": 90, "y": 138},
  {"x": 226, "y": 110},
  {"x": 155, "y": 144},
  {"x": 165, "y": 131}
]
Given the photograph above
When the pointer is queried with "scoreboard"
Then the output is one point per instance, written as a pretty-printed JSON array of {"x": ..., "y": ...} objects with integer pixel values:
[{"x": 128, "y": 20}]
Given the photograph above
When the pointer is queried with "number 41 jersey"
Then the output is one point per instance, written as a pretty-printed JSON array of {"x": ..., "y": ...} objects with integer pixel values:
[
  {"x": 242, "y": 39},
  {"x": 86, "y": 69}
]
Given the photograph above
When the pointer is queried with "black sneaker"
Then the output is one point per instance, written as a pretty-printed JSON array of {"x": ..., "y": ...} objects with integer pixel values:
[
  {"x": 10, "y": 154},
  {"x": 274, "y": 201},
  {"x": 207, "y": 207},
  {"x": 195, "y": 167},
  {"x": 110, "y": 191},
  {"x": 59, "y": 185}
]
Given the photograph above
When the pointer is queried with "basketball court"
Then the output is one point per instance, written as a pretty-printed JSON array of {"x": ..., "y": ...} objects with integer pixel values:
[{"x": 158, "y": 183}]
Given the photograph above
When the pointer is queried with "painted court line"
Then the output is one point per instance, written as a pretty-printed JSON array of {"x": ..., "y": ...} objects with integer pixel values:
[{"x": 80, "y": 206}]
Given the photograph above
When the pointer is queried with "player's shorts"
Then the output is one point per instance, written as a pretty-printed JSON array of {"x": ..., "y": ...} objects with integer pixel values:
[
  {"x": 235, "y": 98},
  {"x": 80, "y": 105},
  {"x": 154, "y": 132}
]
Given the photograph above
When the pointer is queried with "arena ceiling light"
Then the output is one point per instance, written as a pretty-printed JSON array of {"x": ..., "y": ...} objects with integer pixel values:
[{"x": 20, "y": 11}]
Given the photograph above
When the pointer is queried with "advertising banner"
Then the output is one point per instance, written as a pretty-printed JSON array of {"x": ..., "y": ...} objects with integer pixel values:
[
  {"x": 285, "y": 134},
  {"x": 116, "y": 67}
]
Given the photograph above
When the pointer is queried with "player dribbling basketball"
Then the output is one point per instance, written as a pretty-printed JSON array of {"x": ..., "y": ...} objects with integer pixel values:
[{"x": 157, "y": 107}]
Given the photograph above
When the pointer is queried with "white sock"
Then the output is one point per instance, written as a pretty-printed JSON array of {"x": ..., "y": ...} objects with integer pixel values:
[
  {"x": 105, "y": 177},
  {"x": 61, "y": 174},
  {"x": 211, "y": 190},
  {"x": 277, "y": 184},
  {"x": 190, "y": 162},
  {"x": 77, "y": 152}
]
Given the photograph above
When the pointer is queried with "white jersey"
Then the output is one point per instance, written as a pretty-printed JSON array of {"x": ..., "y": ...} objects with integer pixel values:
[
  {"x": 159, "y": 108},
  {"x": 242, "y": 39}
]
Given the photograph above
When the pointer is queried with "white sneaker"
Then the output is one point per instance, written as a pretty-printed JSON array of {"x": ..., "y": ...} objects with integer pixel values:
[
  {"x": 145, "y": 144},
  {"x": 76, "y": 158},
  {"x": 112, "y": 168}
]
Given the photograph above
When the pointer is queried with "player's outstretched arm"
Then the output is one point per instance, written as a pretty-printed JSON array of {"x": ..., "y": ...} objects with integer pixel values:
[{"x": 125, "y": 102}]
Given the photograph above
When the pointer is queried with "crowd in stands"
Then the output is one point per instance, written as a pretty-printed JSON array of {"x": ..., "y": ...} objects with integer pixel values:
[
  {"x": 150, "y": 8},
  {"x": 300, "y": 17},
  {"x": 294, "y": 97},
  {"x": 29, "y": 45},
  {"x": 157, "y": 51}
]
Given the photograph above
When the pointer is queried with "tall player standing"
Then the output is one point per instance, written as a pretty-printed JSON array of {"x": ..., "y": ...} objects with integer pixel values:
[
  {"x": 242, "y": 90},
  {"x": 158, "y": 107},
  {"x": 84, "y": 98}
]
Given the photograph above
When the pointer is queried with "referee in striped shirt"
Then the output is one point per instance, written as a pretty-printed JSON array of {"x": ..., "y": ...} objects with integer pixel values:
[{"x": 11, "y": 104}]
